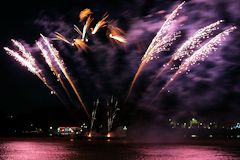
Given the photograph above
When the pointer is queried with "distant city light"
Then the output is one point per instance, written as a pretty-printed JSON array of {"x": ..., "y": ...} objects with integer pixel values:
[
  {"x": 193, "y": 135},
  {"x": 237, "y": 126},
  {"x": 125, "y": 128}
]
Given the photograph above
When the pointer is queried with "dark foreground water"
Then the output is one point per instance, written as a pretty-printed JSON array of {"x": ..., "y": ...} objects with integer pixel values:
[{"x": 63, "y": 149}]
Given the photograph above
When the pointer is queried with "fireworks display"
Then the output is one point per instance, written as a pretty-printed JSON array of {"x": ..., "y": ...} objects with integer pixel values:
[
  {"x": 196, "y": 48},
  {"x": 52, "y": 66},
  {"x": 54, "y": 53},
  {"x": 199, "y": 55},
  {"x": 114, "y": 33},
  {"x": 25, "y": 59},
  {"x": 161, "y": 42},
  {"x": 53, "y": 59},
  {"x": 164, "y": 37},
  {"x": 189, "y": 46}
]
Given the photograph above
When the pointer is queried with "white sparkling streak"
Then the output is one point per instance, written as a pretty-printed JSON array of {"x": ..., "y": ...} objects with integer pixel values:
[
  {"x": 209, "y": 47},
  {"x": 161, "y": 42},
  {"x": 26, "y": 60},
  {"x": 187, "y": 48},
  {"x": 61, "y": 65},
  {"x": 24, "y": 52},
  {"x": 45, "y": 54},
  {"x": 55, "y": 55},
  {"x": 200, "y": 55},
  {"x": 21, "y": 60},
  {"x": 163, "y": 32},
  {"x": 162, "y": 45}
]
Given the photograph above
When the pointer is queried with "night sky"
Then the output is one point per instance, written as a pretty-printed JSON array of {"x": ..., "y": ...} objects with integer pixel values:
[{"x": 210, "y": 90}]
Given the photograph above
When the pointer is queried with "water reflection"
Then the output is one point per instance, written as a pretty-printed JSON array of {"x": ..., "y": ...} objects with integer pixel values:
[
  {"x": 185, "y": 153},
  {"x": 21, "y": 150},
  {"x": 94, "y": 150}
]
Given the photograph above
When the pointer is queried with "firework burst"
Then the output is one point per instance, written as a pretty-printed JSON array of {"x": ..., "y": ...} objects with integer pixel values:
[
  {"x": 52, "y": 66},
  {"x": 189, "y": 46},
  {"x": 163, "y": 32},
  {"x": 102, "y": 23},
  {"x": 113, "y": 33},
  {"x": 161, "y": 42},
  {"x": 52, "y": 57},
  {"x": 25, "y": 59},
  {"x": 54, "y": 53},
  {"x": 199, "y": 55}
]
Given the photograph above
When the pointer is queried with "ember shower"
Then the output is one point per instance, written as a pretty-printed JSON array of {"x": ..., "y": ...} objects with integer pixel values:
[{"x": 171, "y": 34}]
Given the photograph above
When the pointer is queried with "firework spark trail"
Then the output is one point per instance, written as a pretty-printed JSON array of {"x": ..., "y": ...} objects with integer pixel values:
[
  {"x": 102, "y": 23},
  {"x": 118, "y": 38},
  {"x": 116, "y": 34},
  {"x": 163, "y": 31},
  {"x": 80, "y": 44},
  {"x": 193, "y": 42},
  {"x": 93, "y": 118},
  {"x": 51, "y": 65},
  {"x": 160, "y": 42},
  {"x": 85, "y": 13},
  {"x": 86, "y": 27},
  {"x": 31, "y": 67},
  {"x": 27, "y": 58},
  {"x": 188, "y": 47},
  {"x": 61, "y": 65},
  {"x": 77, "y": 42},
  {"x": 77, "y": 30},
  {"x": 199, "y": 55},
  {"x": 25, "y": 53},
  {"x": 60, "y": 37},
  {"x": 22, "y": 61},
  {"x": 162, "y": 46},
  {"x": 112, "y": 113}
]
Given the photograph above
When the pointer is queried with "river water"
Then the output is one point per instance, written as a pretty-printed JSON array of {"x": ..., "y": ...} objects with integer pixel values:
[{"x": 66, "y": 149}]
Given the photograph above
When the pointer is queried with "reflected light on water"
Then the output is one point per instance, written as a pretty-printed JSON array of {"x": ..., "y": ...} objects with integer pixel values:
[
  {"x": 33, "y": 151},
  {"x": 109, "y": 150},
  {"x": 185, "y": 153}
]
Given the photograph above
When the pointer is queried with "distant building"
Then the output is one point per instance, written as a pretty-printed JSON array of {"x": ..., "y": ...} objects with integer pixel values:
[{"x": 66, "y": 130}]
